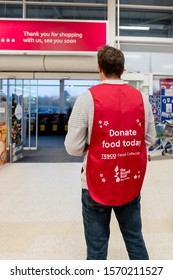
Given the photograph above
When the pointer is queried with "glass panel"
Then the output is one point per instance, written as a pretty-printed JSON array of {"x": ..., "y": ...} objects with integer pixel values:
[
  {"x": 33, "y": 115},
  {"x": 48, "y": 99},
  {"x": 9, "y": 111},
  {"x": 48, "y": 82},
  {"x": 10, "y": 11},
  {"x": 48, "y": 107},
  {"x": 26, "y": 118},
  {"x": 71, "y": 1},
  {"x": 146, "y": 23},
  {"x": 14, "y": 118},
  {"x": 30, "y": 105},
  {"x": 148, "y": 2},
  {"x": 4, "y": 87},
  {"x": 135, "y": 84},
  {"x": 63, "y": 12},
  {"x": 73, "y": 88}
]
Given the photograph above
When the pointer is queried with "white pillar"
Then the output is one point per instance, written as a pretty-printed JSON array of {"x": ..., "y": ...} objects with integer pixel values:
[
  {"x": 111, "y": 4},
  {"x": 24, "y": 9}
]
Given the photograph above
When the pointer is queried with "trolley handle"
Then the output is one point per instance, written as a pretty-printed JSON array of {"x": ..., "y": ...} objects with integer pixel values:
[{"x": 168, "y": 123}]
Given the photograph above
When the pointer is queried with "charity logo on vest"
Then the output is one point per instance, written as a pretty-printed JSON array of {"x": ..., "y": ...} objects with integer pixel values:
[{"x": 121, "y": 174}]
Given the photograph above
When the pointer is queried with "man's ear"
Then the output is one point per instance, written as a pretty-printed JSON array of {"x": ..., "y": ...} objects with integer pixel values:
[
  {"x": 100, "y": 70},
  {"x": 124, "y": 70}
]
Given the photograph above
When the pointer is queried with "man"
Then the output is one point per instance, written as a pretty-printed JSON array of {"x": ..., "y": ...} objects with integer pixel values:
[{"x": 110, "y": 125}]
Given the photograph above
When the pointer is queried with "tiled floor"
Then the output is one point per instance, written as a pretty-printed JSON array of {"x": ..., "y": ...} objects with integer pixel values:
[{"x": 41, "y": 212}]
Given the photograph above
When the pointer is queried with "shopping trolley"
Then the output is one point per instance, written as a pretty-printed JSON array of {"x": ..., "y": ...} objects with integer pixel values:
[{"x": 164, "y": 141}]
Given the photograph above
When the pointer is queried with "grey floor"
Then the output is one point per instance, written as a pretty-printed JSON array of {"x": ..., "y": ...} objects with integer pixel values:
[
  {"x": 41, "y": 212},
  {"x": 50, "y": 149}
]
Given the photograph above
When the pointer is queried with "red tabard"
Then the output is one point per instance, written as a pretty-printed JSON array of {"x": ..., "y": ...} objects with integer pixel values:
[{"x": 117, "y": 155}]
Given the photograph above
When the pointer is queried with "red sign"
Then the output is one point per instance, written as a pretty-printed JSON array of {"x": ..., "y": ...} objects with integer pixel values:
[
  {"x": 61, "y": 36},
  {"x": 166, "y": 87}
]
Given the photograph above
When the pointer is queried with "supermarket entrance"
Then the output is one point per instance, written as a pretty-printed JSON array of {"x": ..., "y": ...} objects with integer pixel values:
[
  {"x": 46, "y": 106},
  {"x": 47, "y": 109}
]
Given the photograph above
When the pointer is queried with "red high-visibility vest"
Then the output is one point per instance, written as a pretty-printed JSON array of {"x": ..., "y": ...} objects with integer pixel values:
[{"x": 117, "y": 155}]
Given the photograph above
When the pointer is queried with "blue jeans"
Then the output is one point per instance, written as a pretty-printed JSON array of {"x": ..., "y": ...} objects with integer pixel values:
[{"x": 96, "y": 219}]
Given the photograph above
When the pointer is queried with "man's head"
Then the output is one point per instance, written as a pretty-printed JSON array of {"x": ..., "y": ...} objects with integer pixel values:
[{"x": 110, "y": 61}]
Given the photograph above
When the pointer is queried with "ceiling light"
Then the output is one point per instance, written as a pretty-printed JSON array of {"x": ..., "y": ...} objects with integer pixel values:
[{"x": 135, "y": 27}]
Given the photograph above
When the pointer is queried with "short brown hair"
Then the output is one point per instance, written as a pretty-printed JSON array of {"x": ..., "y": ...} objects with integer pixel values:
[{"x": 111, "y": 61}]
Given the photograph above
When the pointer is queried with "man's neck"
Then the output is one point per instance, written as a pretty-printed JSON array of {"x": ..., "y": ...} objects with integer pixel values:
[{"x": 104, "y": 77}]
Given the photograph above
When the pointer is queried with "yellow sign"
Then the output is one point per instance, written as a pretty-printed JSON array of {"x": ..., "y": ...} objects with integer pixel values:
[
  {"x": 42, "y": 127},
  {"x": 3, "y": 153},
  {"x": 66, "y": 127},
  {"x": 54, "y": 127}
]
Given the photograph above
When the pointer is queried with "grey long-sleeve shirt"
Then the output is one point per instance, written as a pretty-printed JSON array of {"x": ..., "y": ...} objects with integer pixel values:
[{"x": 81, "y": 121}]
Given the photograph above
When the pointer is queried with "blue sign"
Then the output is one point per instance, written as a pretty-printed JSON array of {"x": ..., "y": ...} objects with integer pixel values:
[
  {"x": 155, "y": 104},
  {"x": 166, "y": 108}
]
